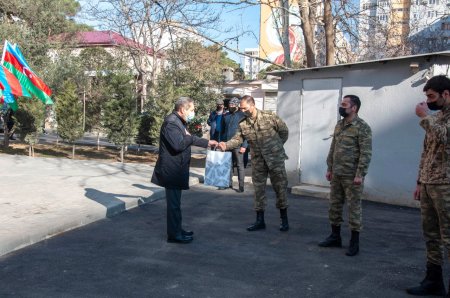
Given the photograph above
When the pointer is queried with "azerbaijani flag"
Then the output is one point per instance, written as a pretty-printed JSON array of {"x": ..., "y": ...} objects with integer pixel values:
[
  {"x": 11, "y": 86},
  {"x": 16, "y": 63}
]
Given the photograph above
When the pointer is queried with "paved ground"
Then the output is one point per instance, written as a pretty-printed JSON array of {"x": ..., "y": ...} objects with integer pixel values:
[
  {"x": 127, "y": 255},
  {"x": 41, "y": 197}
]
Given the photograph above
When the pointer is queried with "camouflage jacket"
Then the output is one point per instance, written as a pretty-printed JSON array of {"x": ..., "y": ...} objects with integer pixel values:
[
  {"x": 265, "y": 135},
  {"x": 351, "y": 148},
  {"x": 435, "y": 162}
]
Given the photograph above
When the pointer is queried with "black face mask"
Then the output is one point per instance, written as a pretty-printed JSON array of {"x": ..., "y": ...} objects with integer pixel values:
[
  {"x": 233, "y": 109},
  {"x": 343, "y": 112},
  {"x": 434, "y": 106}
]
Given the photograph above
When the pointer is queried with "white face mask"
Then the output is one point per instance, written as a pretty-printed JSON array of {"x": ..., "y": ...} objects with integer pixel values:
[{"x": 190, "y": 116}]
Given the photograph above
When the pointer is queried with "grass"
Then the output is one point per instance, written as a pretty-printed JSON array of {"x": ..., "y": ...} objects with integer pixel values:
[
  {"x": 82, "y": 152},
  {"x": 86, "y": 152}
]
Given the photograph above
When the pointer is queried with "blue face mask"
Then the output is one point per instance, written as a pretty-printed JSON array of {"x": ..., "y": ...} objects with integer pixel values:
[{"x": 190, "y": 116}]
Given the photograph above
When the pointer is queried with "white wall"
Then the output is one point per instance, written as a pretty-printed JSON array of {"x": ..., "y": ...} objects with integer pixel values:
[{"x": 389, "y": 92}]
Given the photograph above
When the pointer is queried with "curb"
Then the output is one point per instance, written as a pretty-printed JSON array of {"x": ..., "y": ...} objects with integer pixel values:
[{"x": 21, "y": 239}]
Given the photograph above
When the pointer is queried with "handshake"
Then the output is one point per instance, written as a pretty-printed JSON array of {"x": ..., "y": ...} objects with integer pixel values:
[{"x": 222, "y": 146}]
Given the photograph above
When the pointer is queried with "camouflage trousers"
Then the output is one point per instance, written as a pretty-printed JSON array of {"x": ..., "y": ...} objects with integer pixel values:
[
  {"x": 435, "y": 209},
  {"x": 342, "y": 189},
  {"x": 278, "y": 178}
]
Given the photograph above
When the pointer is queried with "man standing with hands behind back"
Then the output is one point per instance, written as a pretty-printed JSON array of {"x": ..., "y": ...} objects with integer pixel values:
[
  {"x": 172, "y": 167},
  {"x": 348, "y": 161},
  {"x": 433, "y": 183}
]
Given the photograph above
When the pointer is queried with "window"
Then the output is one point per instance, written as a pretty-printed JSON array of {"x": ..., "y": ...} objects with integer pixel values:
[
  {"x": 382, "y": 17},
  {"x": 431, "y": 13},
  {"x": 431, "y": 1},
  {"x": 445, "y": 26}
]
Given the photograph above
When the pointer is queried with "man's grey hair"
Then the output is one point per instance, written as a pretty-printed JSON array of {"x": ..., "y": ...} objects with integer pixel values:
[{"x": 183, "y": 103}]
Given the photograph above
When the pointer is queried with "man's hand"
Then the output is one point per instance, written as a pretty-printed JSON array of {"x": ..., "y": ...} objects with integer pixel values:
[
  {"x": 417, "y": 193},
  {"x": 222, "y": 146},
  {"x": 358, "y": 180},
  {"x": 328, "y": 175},
  {"x": 422, "y": 109},
  {"x": 212, "y": 143},
  {"x": 242, "y": 150}
]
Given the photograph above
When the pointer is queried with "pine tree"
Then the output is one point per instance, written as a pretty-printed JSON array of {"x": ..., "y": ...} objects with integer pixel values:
[
  {"x": 121, "y": 120},
  {"x": 69, "y": 115},
  {"x": 29, "y": 120}
]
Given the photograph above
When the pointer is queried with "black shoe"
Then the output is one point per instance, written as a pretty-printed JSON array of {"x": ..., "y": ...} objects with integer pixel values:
[
  {"x": 187, "y": 233},
  {"x": 180, "y": 239},
  {"x": 259, "y": 224},
  {"x": 353, "y": 247},
  {"x": 284, "y": 226},
  {"x": 334, "y": 240},
  {"x": 433, "y": 283},
  {"x": 241, "y": 189}
]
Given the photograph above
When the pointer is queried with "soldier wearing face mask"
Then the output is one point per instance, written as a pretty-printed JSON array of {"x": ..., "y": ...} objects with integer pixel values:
[
  {"x": 231, "y": 124},
  {"x": 266, "y": 133},
  {"x": 433, "y": 183},
  {"x": 348, "y": 161}
]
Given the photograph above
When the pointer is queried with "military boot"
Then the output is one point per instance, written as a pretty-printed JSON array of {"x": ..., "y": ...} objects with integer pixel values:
[
  {"x": 259, "y": 224},
  {"x": 284, "y": 226},
  {"x": 353, "y": 248},
  {"x": 334, "y": 240},
  {"x": 432, "y": 284}
]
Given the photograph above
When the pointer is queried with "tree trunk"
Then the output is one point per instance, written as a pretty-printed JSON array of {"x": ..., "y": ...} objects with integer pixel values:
[
  {"x": 122, "y": 149},
  {"x": 308, "y": 32},
  {"x": 73, "y": 151},
  {"x": 30, "y": 152},
  {"x": 285, "y": 32},
  {"x": 57, "y": 139},
  {"x": 5, "y": 131},
  {"x": 98, "y": 141},
  {"x": 329, "y": 33}
]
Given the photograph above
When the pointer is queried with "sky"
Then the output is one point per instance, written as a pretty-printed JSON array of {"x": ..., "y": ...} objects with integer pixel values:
[
  {"x": 242, "y": 20},
  {"x": 236, "y": 22}
]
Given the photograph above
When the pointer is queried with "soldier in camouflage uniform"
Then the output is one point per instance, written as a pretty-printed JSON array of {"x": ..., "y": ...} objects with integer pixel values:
[
  {"x": 433, "y": 183},
  {"x": 266, "y": 134},
  {"x": 348, "y": 161}
]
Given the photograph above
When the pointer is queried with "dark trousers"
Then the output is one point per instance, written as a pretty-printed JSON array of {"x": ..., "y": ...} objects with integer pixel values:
[
  {"x": 238, "y": 160},
  {"x": 173, "y": 199}
]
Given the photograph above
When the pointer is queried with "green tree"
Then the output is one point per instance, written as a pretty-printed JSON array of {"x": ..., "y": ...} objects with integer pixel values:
[
  {"x": 69, "y": 115},
  {"x": 29, "y": 120},
  {"x": 121, "y": 120}
]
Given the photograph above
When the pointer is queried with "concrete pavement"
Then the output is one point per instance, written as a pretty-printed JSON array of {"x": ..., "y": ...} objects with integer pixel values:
[{"x": 42, "y": 197}]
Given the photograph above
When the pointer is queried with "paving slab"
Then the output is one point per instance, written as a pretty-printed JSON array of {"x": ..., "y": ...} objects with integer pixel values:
[{"x": 42, "y": 197}]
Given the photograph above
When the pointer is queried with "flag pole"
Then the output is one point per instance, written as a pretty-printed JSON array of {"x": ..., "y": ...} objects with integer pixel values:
[{"x": 4, "y": 51}]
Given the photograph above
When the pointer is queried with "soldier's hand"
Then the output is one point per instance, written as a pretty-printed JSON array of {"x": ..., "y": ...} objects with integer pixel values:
[
  {"x": 242, "y": 150},
  {"x": 422, "y": 109},
  {"x": 358, "y": 180},
  {"x": 417, "y": 193},
  {"x": 328, "y": 175},
  {"x": 222, "y": 146}
]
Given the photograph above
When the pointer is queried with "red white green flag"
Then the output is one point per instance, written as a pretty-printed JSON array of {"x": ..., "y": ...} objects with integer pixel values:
[{"x": 16, "y": 63}]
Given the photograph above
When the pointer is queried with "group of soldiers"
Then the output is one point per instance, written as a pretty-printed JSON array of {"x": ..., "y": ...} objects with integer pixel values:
[{"x": 348, "y": 161}]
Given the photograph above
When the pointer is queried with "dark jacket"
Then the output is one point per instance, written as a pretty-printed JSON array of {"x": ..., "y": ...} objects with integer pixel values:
[
  {"x": 212, "y": 123},
  {"x": 230, "y": 123},
  {"x": 172, "y": 167}
]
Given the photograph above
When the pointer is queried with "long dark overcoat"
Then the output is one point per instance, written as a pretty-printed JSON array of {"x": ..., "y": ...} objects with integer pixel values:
[{"x": 172, "y": 167}]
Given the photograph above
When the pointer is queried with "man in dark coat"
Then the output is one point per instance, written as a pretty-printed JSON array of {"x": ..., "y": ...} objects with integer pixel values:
[
  {"x": 172, "y": 167},
  {"x": 231, "y": 124}
]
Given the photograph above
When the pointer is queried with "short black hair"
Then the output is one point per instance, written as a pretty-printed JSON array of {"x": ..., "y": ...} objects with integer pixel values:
[
  {"x": 355, "y": 101},
  {"x": 438, "y": 83},
  {"x": 248, "y": 99}
]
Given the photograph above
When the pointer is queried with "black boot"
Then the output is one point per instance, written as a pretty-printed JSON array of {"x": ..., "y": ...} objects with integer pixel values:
[
  {"x": 334, "y": 240},
  {"x": 353, "y": 247},
  {"x": 259, "y": 224},
  {"x": 284, "y": 226},
  {"x": 433, "y": 283}
]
